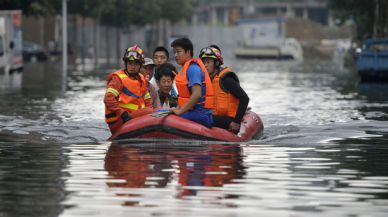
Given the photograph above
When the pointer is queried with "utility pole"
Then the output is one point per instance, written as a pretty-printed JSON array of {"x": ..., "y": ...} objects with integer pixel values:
[{"x": 64, "y": 45}]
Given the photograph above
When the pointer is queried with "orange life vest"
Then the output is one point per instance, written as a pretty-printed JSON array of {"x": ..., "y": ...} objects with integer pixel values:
[
  {"x": 183, "y": 89},
  {"x": 131, "y": 97},
  {"x": 225, "y": 104}
]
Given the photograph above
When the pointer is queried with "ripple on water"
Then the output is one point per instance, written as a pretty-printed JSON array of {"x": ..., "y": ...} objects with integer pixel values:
[
  {"x": 246, "y": 180},
  {"x": 20, "y": 132},
  {"x": 322, "y": 154}
]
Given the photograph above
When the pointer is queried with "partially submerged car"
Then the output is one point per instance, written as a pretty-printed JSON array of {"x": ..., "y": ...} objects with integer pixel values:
[{"x": 33, "y": 52}]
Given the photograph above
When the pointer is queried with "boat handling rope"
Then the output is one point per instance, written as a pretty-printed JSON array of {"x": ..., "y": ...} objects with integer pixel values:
[{"x": 161, "y": 114}]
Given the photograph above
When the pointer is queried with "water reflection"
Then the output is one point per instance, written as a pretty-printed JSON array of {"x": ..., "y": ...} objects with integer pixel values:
[
  {"x": 180, "y": 179},
  {"x": 42, "y": 80},
  {"x": 30, "y": 183},
  {"x": 10, "y": 82},
  {"x": 157, "y": 165}
]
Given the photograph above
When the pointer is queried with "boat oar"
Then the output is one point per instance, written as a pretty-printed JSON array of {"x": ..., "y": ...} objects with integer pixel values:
[{"x": 161, "y": 114}]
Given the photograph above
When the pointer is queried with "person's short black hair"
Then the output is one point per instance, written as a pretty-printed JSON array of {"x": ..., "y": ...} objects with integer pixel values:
[
  {"x": 215, "y": 46},
  {"x": 163, "y": 49},
  {"x": 185, "y": 43},
  {"x": 166, "y": 70}
]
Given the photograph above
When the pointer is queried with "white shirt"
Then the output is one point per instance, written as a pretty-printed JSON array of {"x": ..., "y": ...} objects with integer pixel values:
[
  {"x": 166, "y": 105},
  {"x": 153, "y": 81}
]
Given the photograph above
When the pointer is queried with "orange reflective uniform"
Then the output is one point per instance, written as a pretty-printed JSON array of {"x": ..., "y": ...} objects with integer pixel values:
[
  {"x": 183, "y": 89},
  {"x": 130, "y": 98},
  {"x": 225, "y": 104},
  {"x": 198, "y": 166}
]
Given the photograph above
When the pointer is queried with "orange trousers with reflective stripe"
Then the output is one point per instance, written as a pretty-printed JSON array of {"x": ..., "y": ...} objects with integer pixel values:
[{"x": 135, "y": 114}]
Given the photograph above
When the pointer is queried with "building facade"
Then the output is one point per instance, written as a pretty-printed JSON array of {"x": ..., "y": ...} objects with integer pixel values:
[{"x": 226, "y": 12}]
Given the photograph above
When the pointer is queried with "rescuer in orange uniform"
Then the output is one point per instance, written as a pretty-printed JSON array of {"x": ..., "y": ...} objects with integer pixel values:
[
  {"x": 230, "y": 100},
  {"x": 126, "y": 94},
  {"x": 195, "y": 90}
]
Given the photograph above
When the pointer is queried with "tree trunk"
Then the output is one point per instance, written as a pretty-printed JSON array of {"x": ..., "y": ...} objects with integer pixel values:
[
  {"x": 168, "y": 33},
  {"x": 107, "y": 45},
  {"x": 42, "y": 32},
  {"x": 154, "y": 36},
  {"x": 160, "y": 32},
  {"x": 83, "y": 45},
  {"x": 75, "y": 41},
  {"x": 376, "y": 18},
  {"x": 95, "y": 44},
  {"x": 118, "y": 48}
]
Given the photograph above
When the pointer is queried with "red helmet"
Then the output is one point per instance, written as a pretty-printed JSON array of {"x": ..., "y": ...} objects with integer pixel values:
[
  {"x": 134, "y": 53},
  {"x": 211, "y": 52}
]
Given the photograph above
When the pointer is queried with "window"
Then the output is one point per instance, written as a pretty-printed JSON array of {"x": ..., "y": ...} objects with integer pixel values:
[{"x": 379, "y": 47}]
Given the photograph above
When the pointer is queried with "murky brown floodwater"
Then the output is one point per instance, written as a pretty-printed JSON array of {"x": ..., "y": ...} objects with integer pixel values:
[{"x": 323, "y": 153}]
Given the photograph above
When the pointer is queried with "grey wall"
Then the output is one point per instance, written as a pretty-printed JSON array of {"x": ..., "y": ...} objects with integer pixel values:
[{"x": 227, "y": 38}]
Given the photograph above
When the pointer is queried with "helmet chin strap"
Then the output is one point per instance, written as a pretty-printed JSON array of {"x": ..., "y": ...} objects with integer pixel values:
[{"x": 215, "y": 66}]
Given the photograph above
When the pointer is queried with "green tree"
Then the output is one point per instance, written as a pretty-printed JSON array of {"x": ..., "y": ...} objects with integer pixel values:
[
  {"x": 126, "y": 13},
  {"x": 88, "y": 9},
  {"x": 362, "y": 12},
  {"x": 176, "y": 10},
  {"x": 32, "y": 7},
  {"x": 366, "y": 13},
  {"x": 110, "y": 13}
]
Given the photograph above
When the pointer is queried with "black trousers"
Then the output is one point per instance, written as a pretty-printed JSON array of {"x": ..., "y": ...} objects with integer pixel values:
[{"x": 222, "y": 122}]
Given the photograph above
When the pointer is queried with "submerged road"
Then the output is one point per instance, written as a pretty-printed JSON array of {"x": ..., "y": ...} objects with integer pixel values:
[{"x": 323, "y": 152}]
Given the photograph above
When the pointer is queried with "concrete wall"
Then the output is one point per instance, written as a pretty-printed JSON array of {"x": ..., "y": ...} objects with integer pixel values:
[
  {"x": 129, "y": 38},
  {"x": 40, "y": 30},
  {"x": 227, "y": 38}
]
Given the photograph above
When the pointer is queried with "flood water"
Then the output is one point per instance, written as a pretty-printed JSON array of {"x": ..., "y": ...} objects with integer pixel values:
[{"x": 324, "y": 151}]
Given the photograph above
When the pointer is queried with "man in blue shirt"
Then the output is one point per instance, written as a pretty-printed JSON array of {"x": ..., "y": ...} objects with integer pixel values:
[{"x": 195, "y": 100}]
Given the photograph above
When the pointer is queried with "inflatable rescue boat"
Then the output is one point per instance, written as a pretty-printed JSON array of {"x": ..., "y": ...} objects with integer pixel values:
[{"x": 175, "y": 127}]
